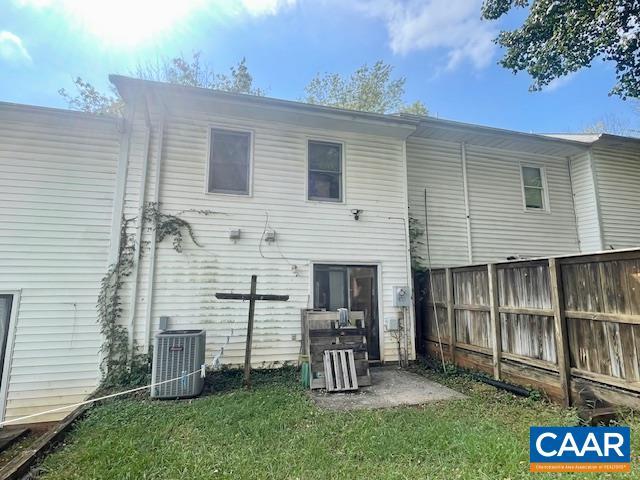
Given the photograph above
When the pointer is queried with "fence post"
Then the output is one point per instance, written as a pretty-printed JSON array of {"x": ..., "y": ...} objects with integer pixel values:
[
  {"x": 495, "y": 319},
  {"x": 560, "y": 322},
  {"x": 451, "y": 319}
]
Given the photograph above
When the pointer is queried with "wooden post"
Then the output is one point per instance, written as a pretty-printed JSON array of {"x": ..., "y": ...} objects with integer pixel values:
[
  {"x": 252, "y": 297},
  {"x": 494, "y": 304},
  {"x": 247, "y": 350},
  {"x": 562, "y": 339},
  {"x": 451, "y": 318}
]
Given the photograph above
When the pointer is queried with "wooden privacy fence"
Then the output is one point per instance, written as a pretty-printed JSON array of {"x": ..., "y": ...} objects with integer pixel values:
[{"x": 569, "y": 326}]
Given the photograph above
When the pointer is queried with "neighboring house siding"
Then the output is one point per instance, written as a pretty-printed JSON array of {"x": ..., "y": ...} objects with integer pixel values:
[
  {"x": 618, "y": 177},
  {"x": 585, "y": 203},
  {"x": 437, "y": 167},
  {"x": 56, "y": 188},
  {"x": 185, "y": 284},
  {"x": 500, "y": 226}
]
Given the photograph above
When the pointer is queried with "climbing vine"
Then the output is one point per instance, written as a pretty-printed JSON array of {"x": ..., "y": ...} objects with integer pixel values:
[
  {"x": 121, "y": 366},
  {"x": 416, "y": 243}
]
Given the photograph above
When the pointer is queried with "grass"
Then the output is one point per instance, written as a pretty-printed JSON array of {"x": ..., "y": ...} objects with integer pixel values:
[{"x": 275, "y": 431}]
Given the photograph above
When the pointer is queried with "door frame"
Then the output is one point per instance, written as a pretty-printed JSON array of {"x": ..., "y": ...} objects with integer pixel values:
[
  {"x": 379, "y": 292},
  {"x": 8, "y": 351}
]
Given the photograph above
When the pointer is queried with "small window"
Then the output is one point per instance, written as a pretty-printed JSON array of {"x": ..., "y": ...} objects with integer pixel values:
[
  {"x": 229, "y": 162},
  {"x": 533, "y": 185},
  {"x": 325, "y": 171}
]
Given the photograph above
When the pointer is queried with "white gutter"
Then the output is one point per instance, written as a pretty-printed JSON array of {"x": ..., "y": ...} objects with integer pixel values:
[
  {"x": 152, "y": 259},
  {"x": 573, "y": 204},
  {"x": 467, "y": 211},
  {"x": 410, "y": 352},
  {"x": 596, "y": 192},
  {"x": 138, "y": 235}
]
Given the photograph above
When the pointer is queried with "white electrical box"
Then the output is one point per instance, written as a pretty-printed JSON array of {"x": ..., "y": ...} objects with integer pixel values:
[
  {"x": 401, "y": 297},
  {"x": 391, "y": 323}
]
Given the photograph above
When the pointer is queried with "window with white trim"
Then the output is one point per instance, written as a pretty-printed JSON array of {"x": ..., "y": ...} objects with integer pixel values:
[
  {"x": 533, "y": 186},
  {"x": 229, "y": 162},
  {"x": 325, "y": 171}
]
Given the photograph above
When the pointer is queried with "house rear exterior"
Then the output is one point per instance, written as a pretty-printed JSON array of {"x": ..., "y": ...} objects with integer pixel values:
[
  {"x": 493, "y": 195},
  {"x": 317, "y": 202},
  {"x": 311, "y": 200},
  {"x": 57, "y": 188},
  {"x": 607, "y": 180}
]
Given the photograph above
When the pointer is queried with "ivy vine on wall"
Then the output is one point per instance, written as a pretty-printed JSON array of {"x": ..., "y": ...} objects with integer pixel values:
[
  {"x": 121, "y": 366},
  {"x": 416, "y": 244}
]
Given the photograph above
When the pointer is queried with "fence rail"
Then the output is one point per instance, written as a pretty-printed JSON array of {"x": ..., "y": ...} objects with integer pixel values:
[{"x": 569, "y": 326}]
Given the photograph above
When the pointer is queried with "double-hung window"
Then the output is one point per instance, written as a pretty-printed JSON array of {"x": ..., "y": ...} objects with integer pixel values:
[
  {"x": 533, "y": 186},
  {"x": 325, "y": 171},
  {"x": 229, "y": 162}
]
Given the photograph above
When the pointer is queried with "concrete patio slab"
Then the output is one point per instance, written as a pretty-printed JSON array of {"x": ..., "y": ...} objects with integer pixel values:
[{"x": 390, "y": 387}]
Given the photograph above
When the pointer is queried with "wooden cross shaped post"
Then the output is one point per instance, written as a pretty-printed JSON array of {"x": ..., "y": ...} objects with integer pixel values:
[{"x": 252, "y": 297}]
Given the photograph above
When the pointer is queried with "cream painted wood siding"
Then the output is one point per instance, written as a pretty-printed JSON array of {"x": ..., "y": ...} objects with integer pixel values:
[
  {"x": 500, "y": 224},
  {"x": 437, "y": 167},
  {"x": 618, "y": 177},
  {"x": 184, "y": 284},
  {"x": 586, "y": 204},
  {"x": 56, "y": 190}
]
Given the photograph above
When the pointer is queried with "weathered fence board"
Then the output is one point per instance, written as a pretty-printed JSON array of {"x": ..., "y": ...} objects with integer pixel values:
[{"x": 570, "y": 326}]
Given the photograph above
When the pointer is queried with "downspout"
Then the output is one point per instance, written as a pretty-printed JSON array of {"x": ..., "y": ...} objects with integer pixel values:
[
  {"x": 118, "y": 197},
  {"x": 467, "y": 211},
  {"x": 410, "y": 313},
  {"x": 138, "y": 236},
  {"x": 596, "y": 194},
  {"x": 152, "y": 259},
  {"x": 120, "y": 187},
  {"x": 573, "y": 202}
]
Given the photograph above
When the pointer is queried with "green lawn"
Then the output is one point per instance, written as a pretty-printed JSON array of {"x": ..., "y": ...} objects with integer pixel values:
[{"x": 275, "y": 431}]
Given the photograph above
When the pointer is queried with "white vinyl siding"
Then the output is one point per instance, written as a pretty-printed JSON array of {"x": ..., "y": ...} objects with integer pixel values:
[
  {"x": 56, "y": 199},
  {"x": 618, "y": 177},
  {"x": 500, "y": 226},
  {"x": 585, "y": 202},
  {"x": 437, "y": 167},
  {"x": 184, "y": 285}
]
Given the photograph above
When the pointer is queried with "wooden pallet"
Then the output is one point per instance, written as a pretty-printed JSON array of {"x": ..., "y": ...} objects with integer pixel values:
[
  {"x": 321, "y": 332},
  {"x": 340, "y": 371}
]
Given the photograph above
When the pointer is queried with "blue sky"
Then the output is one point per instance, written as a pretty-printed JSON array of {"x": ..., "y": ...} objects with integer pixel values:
[{"x": 440, "y": 46}]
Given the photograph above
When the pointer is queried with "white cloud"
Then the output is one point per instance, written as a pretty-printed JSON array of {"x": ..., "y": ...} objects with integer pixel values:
[
  {"x": 559, "y": 82},
  {"x": 12, "y": 50},
  {"x": 266, "y": 7},
  {"x": 453, "y": 26}
]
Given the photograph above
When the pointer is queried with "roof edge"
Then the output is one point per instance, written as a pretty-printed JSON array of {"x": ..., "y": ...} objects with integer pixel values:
[
  {"x": 438, "y": 122},
  {"x": 128, "y": 86},
  {"x": 60, "y": 111}
]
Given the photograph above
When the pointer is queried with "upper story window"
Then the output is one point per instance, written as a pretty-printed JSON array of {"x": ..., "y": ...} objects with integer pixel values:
[
  {"x": 533, "y": 185},
  {"x": 325, "y": 171},
  {"x": 229, "y": 162}
]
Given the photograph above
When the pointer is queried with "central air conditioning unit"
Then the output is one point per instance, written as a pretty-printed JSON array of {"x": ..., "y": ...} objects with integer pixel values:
[{"x": 176, "y": 354}]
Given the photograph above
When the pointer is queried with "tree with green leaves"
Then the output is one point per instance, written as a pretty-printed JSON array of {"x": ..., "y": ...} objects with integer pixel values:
[
  {"x": 368, "y": 89},
  {"x": 560, "y": 37},
  {"x": 178, "y": 70}
]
